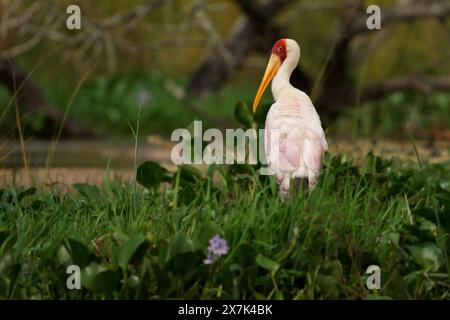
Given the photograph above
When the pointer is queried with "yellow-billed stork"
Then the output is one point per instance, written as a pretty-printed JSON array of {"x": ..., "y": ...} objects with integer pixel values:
[{"x": 296, "y": 150}]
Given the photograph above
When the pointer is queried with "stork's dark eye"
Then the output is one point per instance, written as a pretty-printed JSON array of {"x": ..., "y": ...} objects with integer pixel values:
[{"x": 280, "y": 49}]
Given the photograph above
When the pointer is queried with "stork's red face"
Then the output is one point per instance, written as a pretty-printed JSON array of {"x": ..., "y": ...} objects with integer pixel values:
[
  {"x": 279, "y": 49},
  {"x": 279, "y": 54}
]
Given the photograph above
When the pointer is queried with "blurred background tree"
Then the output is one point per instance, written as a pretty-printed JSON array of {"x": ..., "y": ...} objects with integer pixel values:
[{"x": 186, "y": 59}]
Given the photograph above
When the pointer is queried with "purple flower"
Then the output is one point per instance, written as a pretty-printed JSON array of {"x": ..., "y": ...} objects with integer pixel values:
[
  {"x": 210, "y": 259},
  {"x": 217, "y": 247}
]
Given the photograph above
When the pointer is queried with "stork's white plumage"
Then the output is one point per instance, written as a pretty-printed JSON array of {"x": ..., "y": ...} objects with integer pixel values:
[{"x": 294, "y": 138}]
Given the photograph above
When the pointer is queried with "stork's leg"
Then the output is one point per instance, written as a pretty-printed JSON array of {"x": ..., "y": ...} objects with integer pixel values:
[
  {"x": 312, "y": 179},
  {"x": 284, "y": 185}
]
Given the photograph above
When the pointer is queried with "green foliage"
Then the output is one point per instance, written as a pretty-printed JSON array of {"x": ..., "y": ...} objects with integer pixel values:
[
  {"x": 315, "y": 246},
  {"x": 106, "y": 103},
  {"x": 151, "y": 174},
  {"x": 391, "y": 116}
]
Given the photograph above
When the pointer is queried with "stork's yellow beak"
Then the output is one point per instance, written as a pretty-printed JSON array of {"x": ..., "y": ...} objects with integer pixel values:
[{"x": 271, "y": 70}]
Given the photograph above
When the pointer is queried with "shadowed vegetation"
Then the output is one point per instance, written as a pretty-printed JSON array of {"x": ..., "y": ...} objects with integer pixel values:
[{"x": 150, "y": 242}]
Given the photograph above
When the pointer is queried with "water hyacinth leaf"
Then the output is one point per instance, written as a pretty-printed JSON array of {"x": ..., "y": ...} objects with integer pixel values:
[
  {"x": 206, "y": 232},
  {"x": 7, "y": 262},
  {"x": 4, "y": 287},
  {"x": 7, "y": 240},
  {"x": 394, "y": 237},
  {"x": 26, "y": 193},
  {"x": 420, "y": 233},
  {"x": 444, "y": 186},
  {"x": 134, "y": 247},
  {"x": 163, "y": 250},
  {"x": 184, "y": 265},
  {"x": 78, "y": 252},
  {"x": 241, "y": 169},
  {"x": 38, "y": 205},
  {"x": 261, "y": 114},
  {"x": 244, "y": 114},
  {"x": 333, "y": 268},
  {"x": 87, "y": 190},
  {"x": 9, "y": 271},
  {"x": 245, "y": 255},
  {"x": 88, "y": 274},
  {"x": 374, "y": 164},
  {"x": 427, "y": 213},
  {"x": 4, "y": 207},
  {"x": 106, "y": 281},
  {"x": 133, "y": 281},
  {"x": 444, "y": 199},
  {"x": 187, "y": 195},
  {"x": 163, "y": 279},
  {"x": 180, "y": 243},
  {"x": 7, "y": 196},
  {"x": 267, "y": 263},
  {"x": 182, "y": 257},
  {"x": 151, "y": 174},
  {"x": 189, "y": 174},
  {"x": 377, "y": 297},
  {"x": 427, "y": 255},
  {"x": 63, "y": 256},
  {"x": 99, "y": 279},
  {"x": 193, "y": 292}
]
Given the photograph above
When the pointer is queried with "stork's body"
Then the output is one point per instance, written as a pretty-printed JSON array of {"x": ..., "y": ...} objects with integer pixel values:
[{"x": 294, "y": 138}]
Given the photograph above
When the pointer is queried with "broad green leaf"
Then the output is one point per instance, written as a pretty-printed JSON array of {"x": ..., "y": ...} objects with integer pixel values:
[
  {"x": 99, "y": 279},
  {"x": 183, "y": 259},
  {"x": 208, "y": 230},
  {"x": 26, "y": 193},
  {"x": 187, "y": 195},
  {"x": 189, "y": 174},
  {"x": 180, "y": 243},
  {"x": 133, "y": 281},
  {"x": 4, "y": 287},
  {"x": 87, "y": 190},
  {"x": 7, "y": 240},
  {"x": 427, "y": 255},
  {"x": 377, "y": 297},
  {"x": 151, "y": 174},
  {"x": 394, "y": 237},
  {"x": 38, "y": 205},
  {"x": 261, "y": 114},
  {"x": 244, "y": 114},
  {"x": 241, "y": 169},
  {"x": 267, "y": 263},
  {"x": 135, "y": 246},
  {"x": 78, "y": 252}
]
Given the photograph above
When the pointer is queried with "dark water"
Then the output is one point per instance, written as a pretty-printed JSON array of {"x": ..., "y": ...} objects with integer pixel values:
[{"x": 119, "y": 153}]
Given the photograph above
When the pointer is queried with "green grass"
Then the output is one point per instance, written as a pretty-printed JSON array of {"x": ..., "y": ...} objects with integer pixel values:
[{"x": 150, "y": 243}]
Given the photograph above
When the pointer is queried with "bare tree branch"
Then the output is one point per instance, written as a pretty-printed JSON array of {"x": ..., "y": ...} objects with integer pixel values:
[
  {"x": 417, "y": 83},
  {"x": 403, "y": 13},
  {"x": 253, "y": 30},
  {"x": 30, "y": 97},
  {"x": 137, "y": 13}
]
